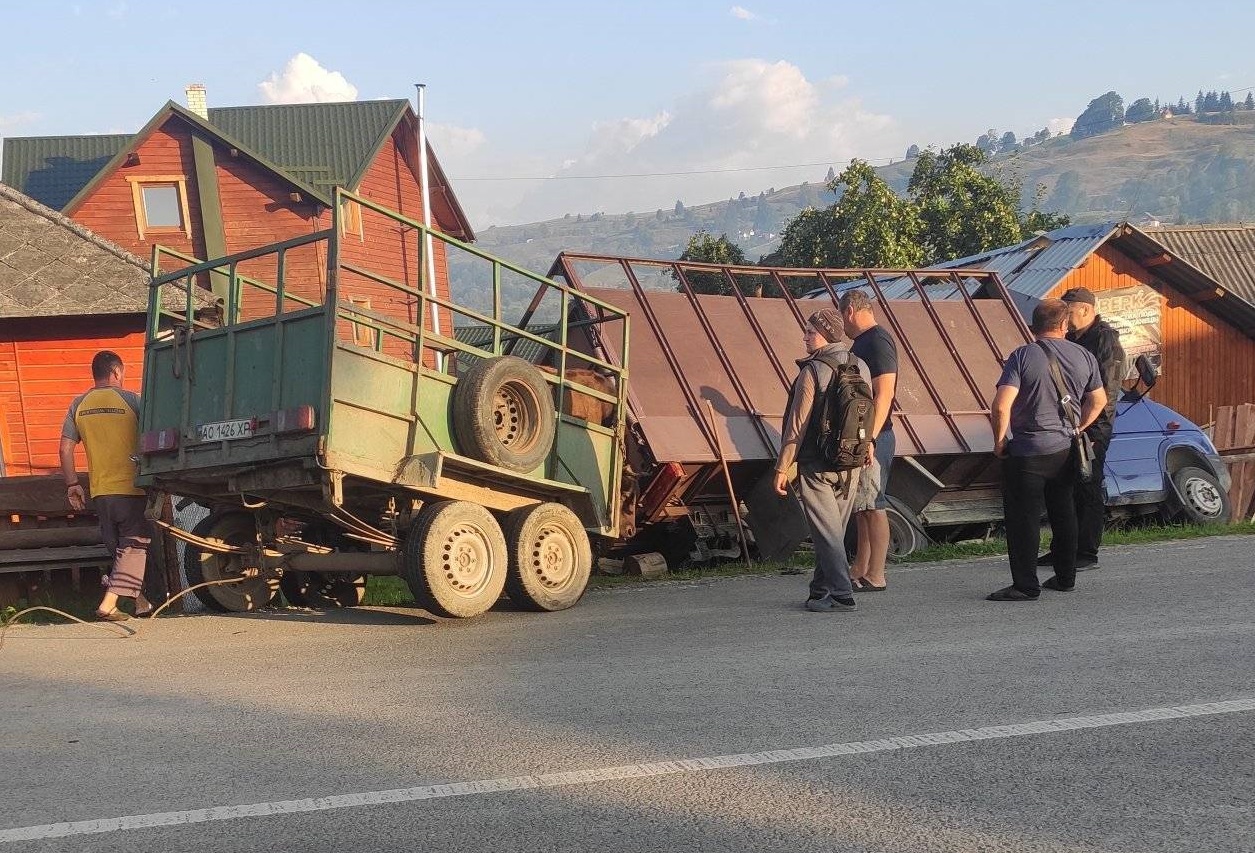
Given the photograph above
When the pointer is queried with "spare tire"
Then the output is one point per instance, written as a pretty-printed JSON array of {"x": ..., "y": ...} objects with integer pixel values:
[{"x": 503, "y": 414}]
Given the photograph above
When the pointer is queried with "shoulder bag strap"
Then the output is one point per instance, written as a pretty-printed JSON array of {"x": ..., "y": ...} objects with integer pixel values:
[{"x": 1065, "y": 399}]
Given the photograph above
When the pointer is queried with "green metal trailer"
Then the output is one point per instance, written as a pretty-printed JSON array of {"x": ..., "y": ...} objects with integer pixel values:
[{"x": 332, "y": 440}]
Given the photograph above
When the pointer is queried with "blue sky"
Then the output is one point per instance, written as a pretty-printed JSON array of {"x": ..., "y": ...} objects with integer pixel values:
[{"x": 625, "y": 88}]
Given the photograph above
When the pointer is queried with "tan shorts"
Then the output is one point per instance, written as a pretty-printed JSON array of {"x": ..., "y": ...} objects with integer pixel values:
[{"x": 868, "y": 488}]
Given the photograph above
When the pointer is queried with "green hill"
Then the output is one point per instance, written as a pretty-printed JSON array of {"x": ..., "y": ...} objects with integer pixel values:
[{"x": 1177, "y": 170}]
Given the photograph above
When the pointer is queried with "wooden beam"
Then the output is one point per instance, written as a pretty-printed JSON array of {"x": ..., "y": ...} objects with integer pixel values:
[{"x": 1157, "y": 260}]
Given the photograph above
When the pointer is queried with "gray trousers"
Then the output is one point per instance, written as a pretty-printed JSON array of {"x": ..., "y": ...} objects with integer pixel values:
[
  {"x": 126, "y": 534},
  {"x": 828, "y": 512}
]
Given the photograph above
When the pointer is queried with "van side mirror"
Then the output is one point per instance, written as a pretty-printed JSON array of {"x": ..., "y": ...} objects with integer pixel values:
[{"x": 1146, "y": 371}]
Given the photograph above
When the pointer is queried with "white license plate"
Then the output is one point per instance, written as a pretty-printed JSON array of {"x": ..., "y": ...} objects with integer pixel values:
[{"x": 225, "y": 430}]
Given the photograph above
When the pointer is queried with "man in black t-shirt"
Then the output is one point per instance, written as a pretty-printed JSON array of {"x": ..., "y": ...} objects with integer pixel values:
[{"x": 879, "y": 352}]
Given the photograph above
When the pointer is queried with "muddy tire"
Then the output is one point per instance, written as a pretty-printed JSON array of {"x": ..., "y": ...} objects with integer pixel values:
[
  {"x": 550, "y": 557},
  {"x": 1203, "y": 501},
  {"x": 323, "y": 590},
  {"x": 455, "y": 559},
  {"x": 503, "y": 414},
  {"x": 233, "y": 528}
]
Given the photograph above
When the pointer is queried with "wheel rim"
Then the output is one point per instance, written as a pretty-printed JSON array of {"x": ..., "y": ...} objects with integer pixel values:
[
  {"x": 255, "y": 591},
  {"x": 466, "y": 560},
  {"x": 552, "y": 554},
  {"x": 514, "y": 416},
  {"x": 1203, "y": 496}
]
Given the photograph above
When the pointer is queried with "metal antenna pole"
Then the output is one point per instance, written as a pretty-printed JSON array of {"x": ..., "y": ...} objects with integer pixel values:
[{"x": 429, "y": 259}]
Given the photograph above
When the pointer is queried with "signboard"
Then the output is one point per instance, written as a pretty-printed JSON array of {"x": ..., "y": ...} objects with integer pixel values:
[{"x": 1136, "y": 313}]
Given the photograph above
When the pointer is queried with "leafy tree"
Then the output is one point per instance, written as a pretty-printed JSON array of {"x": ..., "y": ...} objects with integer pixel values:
[
  {"x": 1211, "y": 103},
  {"x": 832, "y": 176},
  {"x": 953, "y": 208},
  {"x": 988, "y": 141},
  {"x": 1104, "y": 113},
  {"x": 1007, "y": 143},
  {"x": 1182, "y": 108},
  {"x": 911, "y": 154},
  {"x": 1141, "y": 110},
  {"x": 679, "y": 208},
  {"x": 1250, "y": 101},
  {"x": 1225, "y": 102},
  {"x": 869, "y": 226},
  {"x": 1042, "y": 135},
  {"x": 703, "y": 247}
]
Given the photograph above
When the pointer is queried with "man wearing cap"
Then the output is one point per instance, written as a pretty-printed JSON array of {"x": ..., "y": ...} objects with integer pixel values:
[
  {"x": 827, "y": 496},
  {"x": 1087, "y": 328}
]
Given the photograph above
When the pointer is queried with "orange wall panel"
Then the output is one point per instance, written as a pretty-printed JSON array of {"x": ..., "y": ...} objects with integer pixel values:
[
  {"x": 51, "y": 365},
  {"x": 1206, "y": 362}
]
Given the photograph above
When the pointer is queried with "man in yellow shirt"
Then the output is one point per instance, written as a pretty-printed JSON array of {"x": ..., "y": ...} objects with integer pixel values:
[{"x": 106, "y": 420}]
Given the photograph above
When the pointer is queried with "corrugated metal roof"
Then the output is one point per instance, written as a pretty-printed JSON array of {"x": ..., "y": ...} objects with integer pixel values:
[
  {"x": 481, "y": 337},
  {"x": 1224, "y": 252},
  {"x": 52, "y": 169},
  {"x": 324, "y": 145}
]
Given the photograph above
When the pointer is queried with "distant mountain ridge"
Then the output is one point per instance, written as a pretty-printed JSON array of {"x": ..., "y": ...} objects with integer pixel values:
[{"x": 1174, "y": 170}]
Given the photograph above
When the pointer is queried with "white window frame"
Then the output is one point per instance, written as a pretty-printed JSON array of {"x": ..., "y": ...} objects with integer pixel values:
[{"x": 141, "y": 219}]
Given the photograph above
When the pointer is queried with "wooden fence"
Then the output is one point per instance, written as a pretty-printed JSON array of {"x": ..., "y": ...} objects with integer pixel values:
[{"x": 1234, "y": 437}]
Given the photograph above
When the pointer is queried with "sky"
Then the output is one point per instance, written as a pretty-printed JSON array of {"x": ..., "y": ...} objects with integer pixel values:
[{"x": 539, "y": 109}]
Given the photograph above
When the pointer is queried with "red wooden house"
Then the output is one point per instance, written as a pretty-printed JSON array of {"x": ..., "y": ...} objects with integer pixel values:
[{"x": 214, "y": 182}]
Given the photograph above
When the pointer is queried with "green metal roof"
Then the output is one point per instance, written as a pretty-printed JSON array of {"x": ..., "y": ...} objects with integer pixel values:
[
  {"x": 52, "y": 169},
  {"x": 324, "y": 145}
]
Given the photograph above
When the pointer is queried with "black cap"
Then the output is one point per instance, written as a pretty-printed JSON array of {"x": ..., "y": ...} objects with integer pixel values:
[{"x": 1080, "y": 294}]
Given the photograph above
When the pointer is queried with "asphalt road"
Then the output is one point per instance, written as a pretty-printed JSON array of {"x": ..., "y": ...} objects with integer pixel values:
[{"x": 274, "y": 711}]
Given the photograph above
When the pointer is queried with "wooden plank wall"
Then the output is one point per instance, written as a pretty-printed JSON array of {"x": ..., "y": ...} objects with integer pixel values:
[
  {"x": 1234, "y": 437},
  {"x": 43, "y": 366},
  {"x": 1206, "y": 361}
]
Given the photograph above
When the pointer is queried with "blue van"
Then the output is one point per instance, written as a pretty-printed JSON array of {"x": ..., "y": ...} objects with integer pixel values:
[{"x": 1160, "y": 462}]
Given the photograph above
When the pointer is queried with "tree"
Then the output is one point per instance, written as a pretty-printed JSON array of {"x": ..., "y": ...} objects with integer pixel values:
[
  {"x": 1226, "y": 102},
  {"x": 1211, "y": 103},
  {"x": 832, "y": 176},
  {"x": 703, "y": 247},
  {"x": 1199, "y": 102},
  {"x": 1182, "y": 108},
  {"x": 1007, "y": 143},
  {"x": 679, "y": 208},
  {"x": 1104, "y": 113},
  {"x": 1042, "y": 135},
  {"x": 1250, "y": 101},
  {"x": 911, "y": 153},
  {"x": 953, "y": 208},
  {"x": 868, "y": 226},
  {"x": 1141, "y": 110}
]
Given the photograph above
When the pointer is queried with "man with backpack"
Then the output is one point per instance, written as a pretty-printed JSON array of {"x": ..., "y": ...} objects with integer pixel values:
[{"x": 826, "y": 432}]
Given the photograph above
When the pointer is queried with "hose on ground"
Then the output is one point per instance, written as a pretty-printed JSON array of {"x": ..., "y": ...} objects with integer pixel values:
[{"x": 122, "y": 627}]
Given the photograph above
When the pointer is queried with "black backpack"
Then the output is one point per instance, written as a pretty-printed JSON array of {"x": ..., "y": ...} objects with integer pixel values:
[{"x": 846, "y": 411}]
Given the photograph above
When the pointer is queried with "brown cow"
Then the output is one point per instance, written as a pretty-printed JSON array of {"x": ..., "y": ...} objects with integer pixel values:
[{"x": 581, "y": 405}]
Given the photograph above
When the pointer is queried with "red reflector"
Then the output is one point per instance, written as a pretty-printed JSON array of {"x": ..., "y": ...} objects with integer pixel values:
[
  {"x": 159, "y": 441},
  {"x": 299, "y": 419},
  {"x": 1173, "y": 426}
]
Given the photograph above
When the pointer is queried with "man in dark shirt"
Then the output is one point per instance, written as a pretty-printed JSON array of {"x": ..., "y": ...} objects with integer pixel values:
[
  {"x": 1087, "y": 328},
  {"x": 1034, "y": 440},
  {"x": 877, "y": 349}
]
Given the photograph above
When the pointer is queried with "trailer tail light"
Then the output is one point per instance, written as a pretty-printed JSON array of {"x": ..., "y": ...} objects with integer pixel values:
[
  {"x": 159, "y": 441},
  {"x": 299, "y": 419}
]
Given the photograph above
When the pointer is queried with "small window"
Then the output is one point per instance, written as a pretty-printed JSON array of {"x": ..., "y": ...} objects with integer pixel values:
[
  {"x": 365, "y": 333},
  {"x": 160, "y": 204},
  {"x": 351, "y": 218}
]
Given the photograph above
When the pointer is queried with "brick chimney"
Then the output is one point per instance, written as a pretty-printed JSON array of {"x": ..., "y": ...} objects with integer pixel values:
[{"x": 196, "y": 101}]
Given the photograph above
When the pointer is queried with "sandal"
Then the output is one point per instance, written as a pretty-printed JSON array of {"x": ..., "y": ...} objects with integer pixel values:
[
  {"x": 864, "y": 585},
  {"x": 114, "y": 615}
]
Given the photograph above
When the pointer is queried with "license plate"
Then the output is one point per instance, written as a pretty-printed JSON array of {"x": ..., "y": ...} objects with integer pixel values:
[{"x": 225, "y": 430}]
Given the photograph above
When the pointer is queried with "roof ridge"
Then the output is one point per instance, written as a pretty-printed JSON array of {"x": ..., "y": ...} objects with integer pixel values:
[
  {"x": 23, "y": 200},
  {"x": 311, "y": 104}
]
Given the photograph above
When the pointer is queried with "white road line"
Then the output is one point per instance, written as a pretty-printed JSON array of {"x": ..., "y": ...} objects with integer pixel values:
[{"x": 606, "y": 774}]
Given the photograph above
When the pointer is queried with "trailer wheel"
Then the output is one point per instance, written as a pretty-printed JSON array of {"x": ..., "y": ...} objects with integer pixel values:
[
  {"x": 323, "y": 590},
  {"x": 234, "y": 528},
  {"x": 1203, "y": 501},
  {"x": 550, "y": 557},
  {"x": 503, "y": 414},
  {"x": 455, "y": 559}
]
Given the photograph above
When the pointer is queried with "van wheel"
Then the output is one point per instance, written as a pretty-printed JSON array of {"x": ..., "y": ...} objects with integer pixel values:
[
  {"x": 503, "y": 414},
  {"x": 455, "y": 559},
  {"x": 905, "y": 537},
  {"x": 550, "y": 557},
  {"x": 1203, "y": 501},
  {"x": 251, "y": 593},
  {"x": 323, "y": 590}
]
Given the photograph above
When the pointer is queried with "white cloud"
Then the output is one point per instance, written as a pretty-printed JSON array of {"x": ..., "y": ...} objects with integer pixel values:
[
  {"x": 1060, "y": 125},
  {"x": 452, "y": 142},
  {"x": 10, "y": 123},
  {"x": 118, "y": 10},
  {"x": 744, "y": 115},
  {"x": 741, "y": 13},
  {"x": 305, "y": 81}
]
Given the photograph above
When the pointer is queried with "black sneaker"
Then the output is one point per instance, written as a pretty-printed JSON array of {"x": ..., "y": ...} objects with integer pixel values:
[
  {"x": 829, "y": 604},
  {"x": 1087, "y": 564},
  {"x": 1055, "y": 584},
  {"x": 1047, "y": 559}
]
